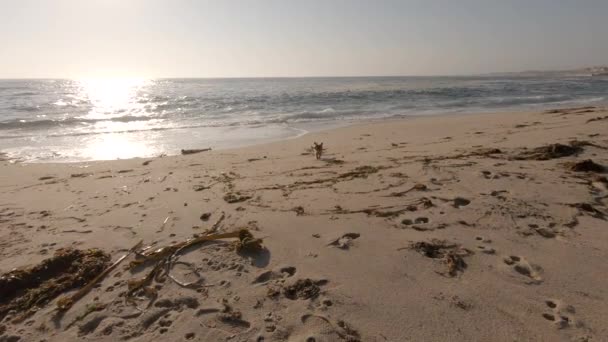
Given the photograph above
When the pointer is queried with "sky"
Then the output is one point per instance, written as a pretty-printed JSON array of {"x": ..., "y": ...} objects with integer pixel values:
[{"x": 297, "y": 38}]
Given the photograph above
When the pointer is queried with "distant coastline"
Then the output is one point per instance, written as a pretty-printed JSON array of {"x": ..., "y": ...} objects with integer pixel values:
[{"x": 586, "y": 71}]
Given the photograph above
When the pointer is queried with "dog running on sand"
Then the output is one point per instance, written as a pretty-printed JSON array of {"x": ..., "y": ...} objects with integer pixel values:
[{"x": 318, "y": 148}]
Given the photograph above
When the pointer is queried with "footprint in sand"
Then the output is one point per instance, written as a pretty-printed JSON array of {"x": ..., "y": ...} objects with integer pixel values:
[
  {"x": 283, "y": 272},
  {"x": 523, "y": 267},
  {"x": 231, "y": 321},
  {"x": 561, "y": 315},
  {"x": 421, "y": 220},
  {"x": 485, "y": 249},
  {"x": 317, "y": 328}
]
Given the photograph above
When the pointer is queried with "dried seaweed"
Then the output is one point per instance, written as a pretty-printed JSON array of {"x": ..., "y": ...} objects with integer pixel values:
[
  {"x": 598, "y": 118},
  {"x": 27, "y": 289},
  {"x": 235, "y": 198},
  {"x": 24, "y": 291},
  {"x": 389, "y": 211},
  {"x": 302, "y": 289},
  {"x": 551, "y": 151},
  {"x": 434, "y": 249},
  {"x": 451, "y": 254},
  {"x": 416, "y": 187},
  {"x": 360, "y": 172},
  {"x": 166, "y": 257},
  {"x": 149, "y": 254},
  {"x": 587, "y": 165},
  {"x": 67, "y": 302},
  {"x": 488, "y": 152},
  {"x": 589, "y": 209},
  {"x": 576, "y": 110}
]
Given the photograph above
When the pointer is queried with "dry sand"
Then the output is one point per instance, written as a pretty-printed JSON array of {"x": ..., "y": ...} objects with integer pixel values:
[{"x": 448, "y": 228}]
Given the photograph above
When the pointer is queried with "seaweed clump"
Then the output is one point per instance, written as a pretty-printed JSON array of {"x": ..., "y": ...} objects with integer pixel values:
[
  {"x": 235, "y": 198},
  {"x": 451, "y": 254},
  {"x": 548, "y": 152},
  {"x": 587, "y": 165},
  {"x": 25, "y": 290},
  {"x": 302, "y": 289}
]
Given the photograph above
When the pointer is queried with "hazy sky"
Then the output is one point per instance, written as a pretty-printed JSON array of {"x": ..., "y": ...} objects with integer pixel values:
[{"x": 229, "y": 38}]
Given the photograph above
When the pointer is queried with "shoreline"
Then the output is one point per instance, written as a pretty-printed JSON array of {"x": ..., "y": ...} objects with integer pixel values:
[
  {"x": 444, "y": 228},
  {"x": 305, "y": 129}
]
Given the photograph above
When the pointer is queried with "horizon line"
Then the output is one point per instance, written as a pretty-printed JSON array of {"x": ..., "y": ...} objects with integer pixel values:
[{"x": 495, "y": 73}]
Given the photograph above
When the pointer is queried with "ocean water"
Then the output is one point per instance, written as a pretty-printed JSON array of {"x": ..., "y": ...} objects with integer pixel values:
[{"x": 80, "y": 120}]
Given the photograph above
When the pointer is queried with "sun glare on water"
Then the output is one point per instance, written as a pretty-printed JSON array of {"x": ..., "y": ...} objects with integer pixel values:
[
  {"x": 111, "y": 99},
  {"x": 110, "y": 96}
]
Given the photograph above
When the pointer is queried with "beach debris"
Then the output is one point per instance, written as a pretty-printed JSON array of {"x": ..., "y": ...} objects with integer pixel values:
[
  {"x": 360, "y": 172},
  {"x": 577, "y": 110},
  {"x": 235, "y": 197},
  {"x": 583, "y": 143},
  {"x": 162, "y": 226},
  {"x": 194, "y": 151},
  {"x": 318, "y": 149},
  {"x": 451, "y": 254},
  {"x": 589, "y": 209},
  {"x": 545, "y": 232},
  {"x": 344, "y": 241},
  {"x": 460, "y": 202},
  {"x": 488, "y": 152},
  {"x": 547, "y": 152},
  {"x": 598, "y": 118},
  {"x": 247, "y": 242},
  {"x": 66, "y": 302},
  {"x": 389, "y": 211},
  {"x": 416, "y": 187},
  {"x": 166, "y": 257},
  {"x": 299, "y": 210},
  {"x": 587, "y": 165},
  {"x": 485, "y": 151},
  {"x": 81, "y": 175},
  {"x": 600, "y": 182},
  {"x": 25, "y": 290},
  {"x": 302, "y": 289}
]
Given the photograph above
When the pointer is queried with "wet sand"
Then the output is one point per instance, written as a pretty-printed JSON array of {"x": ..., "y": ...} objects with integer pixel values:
[{"x": 452, "y": 228}]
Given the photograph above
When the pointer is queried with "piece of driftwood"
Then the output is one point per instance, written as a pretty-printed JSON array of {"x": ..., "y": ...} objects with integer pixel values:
[{"x": 194, "y": 151}]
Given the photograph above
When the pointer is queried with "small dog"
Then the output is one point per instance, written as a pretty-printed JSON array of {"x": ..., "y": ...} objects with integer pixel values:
[{"x": 318, "y": 148}]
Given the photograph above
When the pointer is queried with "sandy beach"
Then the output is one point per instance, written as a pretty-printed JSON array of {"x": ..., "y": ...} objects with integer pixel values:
[{"x": 481, "y": 227}]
